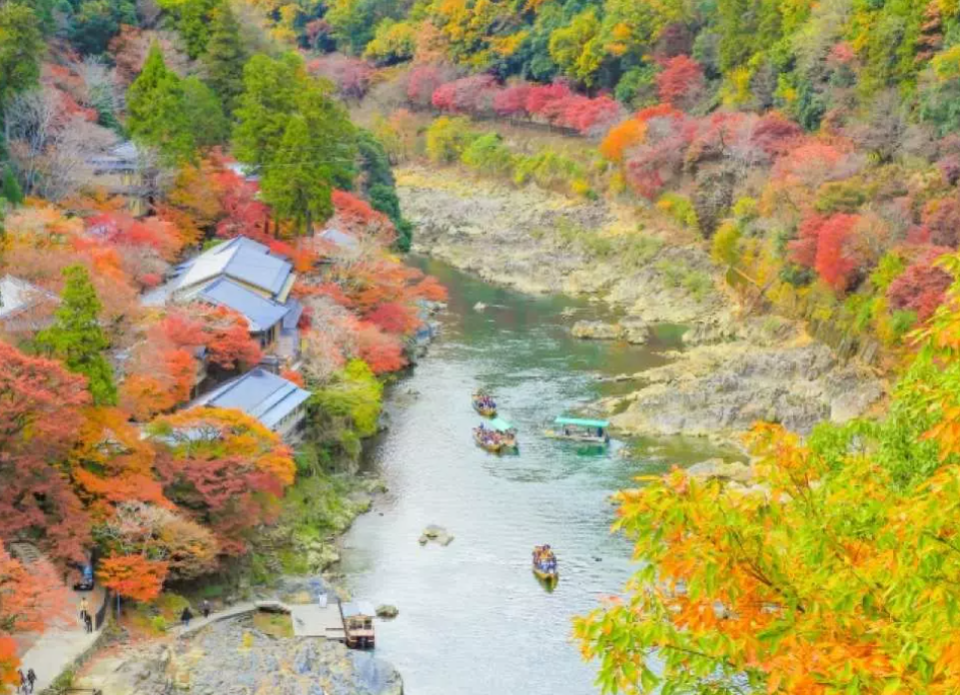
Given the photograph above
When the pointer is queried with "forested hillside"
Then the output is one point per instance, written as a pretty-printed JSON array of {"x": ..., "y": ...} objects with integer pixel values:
[
  {"x": 190, "y": 355},
  {"x": 812, "y": 145}
]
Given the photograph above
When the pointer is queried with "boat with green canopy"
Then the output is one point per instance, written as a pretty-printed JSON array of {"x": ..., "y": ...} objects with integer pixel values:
[
  {"x": 500, "y": 436},
  {"x": 580, "y": 430}
]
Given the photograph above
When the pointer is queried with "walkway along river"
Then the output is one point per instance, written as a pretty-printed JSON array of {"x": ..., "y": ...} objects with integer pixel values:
[{"x": 473, "y": 619}]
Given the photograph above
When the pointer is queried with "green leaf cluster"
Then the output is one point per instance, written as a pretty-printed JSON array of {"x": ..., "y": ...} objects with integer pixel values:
[
  {"x": 158, "y": 113},
  {"x": 76, "y": 338}
]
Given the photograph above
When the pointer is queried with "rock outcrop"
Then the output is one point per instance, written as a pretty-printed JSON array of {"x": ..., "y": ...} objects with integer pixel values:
[
  {"x": 435, "y": 534},
  {"x": 724, "y": 389},
  {"x": 597, "y": 330},
  {"x": 631, "y": 329}
]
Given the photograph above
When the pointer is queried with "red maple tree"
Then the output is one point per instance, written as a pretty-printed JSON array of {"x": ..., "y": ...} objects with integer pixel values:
[
  {"x": 680, "y": 82},
  {"x": 40, "y": 417}
]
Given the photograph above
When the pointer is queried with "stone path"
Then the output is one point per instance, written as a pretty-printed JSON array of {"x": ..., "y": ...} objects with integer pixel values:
[
  {"x": 198, "y": 623},
  {"x": 54, "y": 652},
  {"x": 56, "y": 648}
]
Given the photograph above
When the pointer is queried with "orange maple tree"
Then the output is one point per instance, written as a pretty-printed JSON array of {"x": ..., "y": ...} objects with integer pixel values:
[{"x": 133, "y": 576}]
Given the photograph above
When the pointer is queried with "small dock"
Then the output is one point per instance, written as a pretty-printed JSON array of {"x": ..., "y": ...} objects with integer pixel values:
[{"x": 314, "y": 620}]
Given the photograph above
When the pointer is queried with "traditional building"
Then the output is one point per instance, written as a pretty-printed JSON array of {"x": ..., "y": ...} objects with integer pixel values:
[
  {"x": 279, "y": 404},
  {"x": 265, "y": 317},
  {"x": 242, "y": 260}
]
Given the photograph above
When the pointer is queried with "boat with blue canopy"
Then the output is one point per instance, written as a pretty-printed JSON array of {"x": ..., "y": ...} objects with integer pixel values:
[{"x": 580, "y": 430}]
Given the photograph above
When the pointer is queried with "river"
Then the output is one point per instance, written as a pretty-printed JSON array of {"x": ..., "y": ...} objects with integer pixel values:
[{"x": 473, "y": 619}]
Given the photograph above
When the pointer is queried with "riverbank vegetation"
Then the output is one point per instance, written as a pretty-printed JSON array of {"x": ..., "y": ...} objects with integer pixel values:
[
  {"x": 835, "y": 573},
  {"x": 135, "y": 138}
]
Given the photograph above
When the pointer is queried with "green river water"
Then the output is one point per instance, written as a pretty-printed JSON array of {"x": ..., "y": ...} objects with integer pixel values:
[{"x": 473, "y": 619}]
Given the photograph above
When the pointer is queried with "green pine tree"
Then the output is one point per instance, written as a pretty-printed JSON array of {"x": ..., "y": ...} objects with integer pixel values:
[
  {"x": 333, "y": 138},
  {"x": 10, "y": 188},
  {"x": 157, "y": 114},
  {"x": 269, "y": 97},
  {"x": 21, "y": 44},
  {"x": 225, "y": 57},
  {"x": 205, "y": 112},
  {"x": 296, "y": 182},
  {"x": 75, "y": 337}
]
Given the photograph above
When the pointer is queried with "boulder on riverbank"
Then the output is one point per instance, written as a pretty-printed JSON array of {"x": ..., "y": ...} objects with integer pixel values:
[
  {"x": 636, "y": 331},
  {"x": 596, "y": 330},
  {"x": 387, "y": 611},
  {"x": 435, "y": 534},
  {"x": 632, "y": 329}
]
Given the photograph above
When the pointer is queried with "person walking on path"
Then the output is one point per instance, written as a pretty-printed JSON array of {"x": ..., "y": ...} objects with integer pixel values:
[
  {"x": 206, "y": 608},
  {"x": 186, "y": 616},
  {"x": 22, "y": 687},
  {"x": 32, "y": 677},
  {"x": 84, "y": 610},
  {"x": 87, "y": 623}
]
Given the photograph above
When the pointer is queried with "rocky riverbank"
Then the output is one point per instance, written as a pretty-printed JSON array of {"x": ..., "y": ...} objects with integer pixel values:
[
  {"x": 542, "y": 242},
  {"x": 732, "y": 371},
  {"x": 239, "y": 657}
]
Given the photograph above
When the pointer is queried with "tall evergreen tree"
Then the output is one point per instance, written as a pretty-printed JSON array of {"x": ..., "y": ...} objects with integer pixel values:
[
  {"x": 205, "y": 113},
  {"x": 296, "y": 182},
  {"x": 76, "y": 337},
  {"x": 21, "y": 43},
  {"x": 269, "y": 97},
  {"x": 157, "y": 114},
  {"x": 225, "y": 57},
  {"x": 95, "y": 22},
  {"x": 10, "y": 188},
  {"x": 191, "y": 18},
  {"x": 333, "y": 138}
]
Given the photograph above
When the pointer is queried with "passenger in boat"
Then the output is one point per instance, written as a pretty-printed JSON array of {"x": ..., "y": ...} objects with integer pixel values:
[{"x": 600, "y": 432}]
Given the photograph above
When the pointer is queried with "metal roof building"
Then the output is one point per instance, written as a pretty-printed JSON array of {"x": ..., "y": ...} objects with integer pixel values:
[
  {"x": 269, "y": 398},
  {"x": 243, "y": 260},
  {"x": 261, "y": 313}
]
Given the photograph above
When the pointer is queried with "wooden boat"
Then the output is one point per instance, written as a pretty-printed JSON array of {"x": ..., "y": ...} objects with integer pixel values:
[
  {"x": 548, "y": 579},
  {"x": 580, "y": 430},
  {"x": 484, "y": 405},
  {"x": 545, "y": 566},
  {"x": 358, "y": 624},
  {"x": 485, "y": 410},
  {"x": 499, "y": 438},
  {"x": 486, "y": 443}
]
